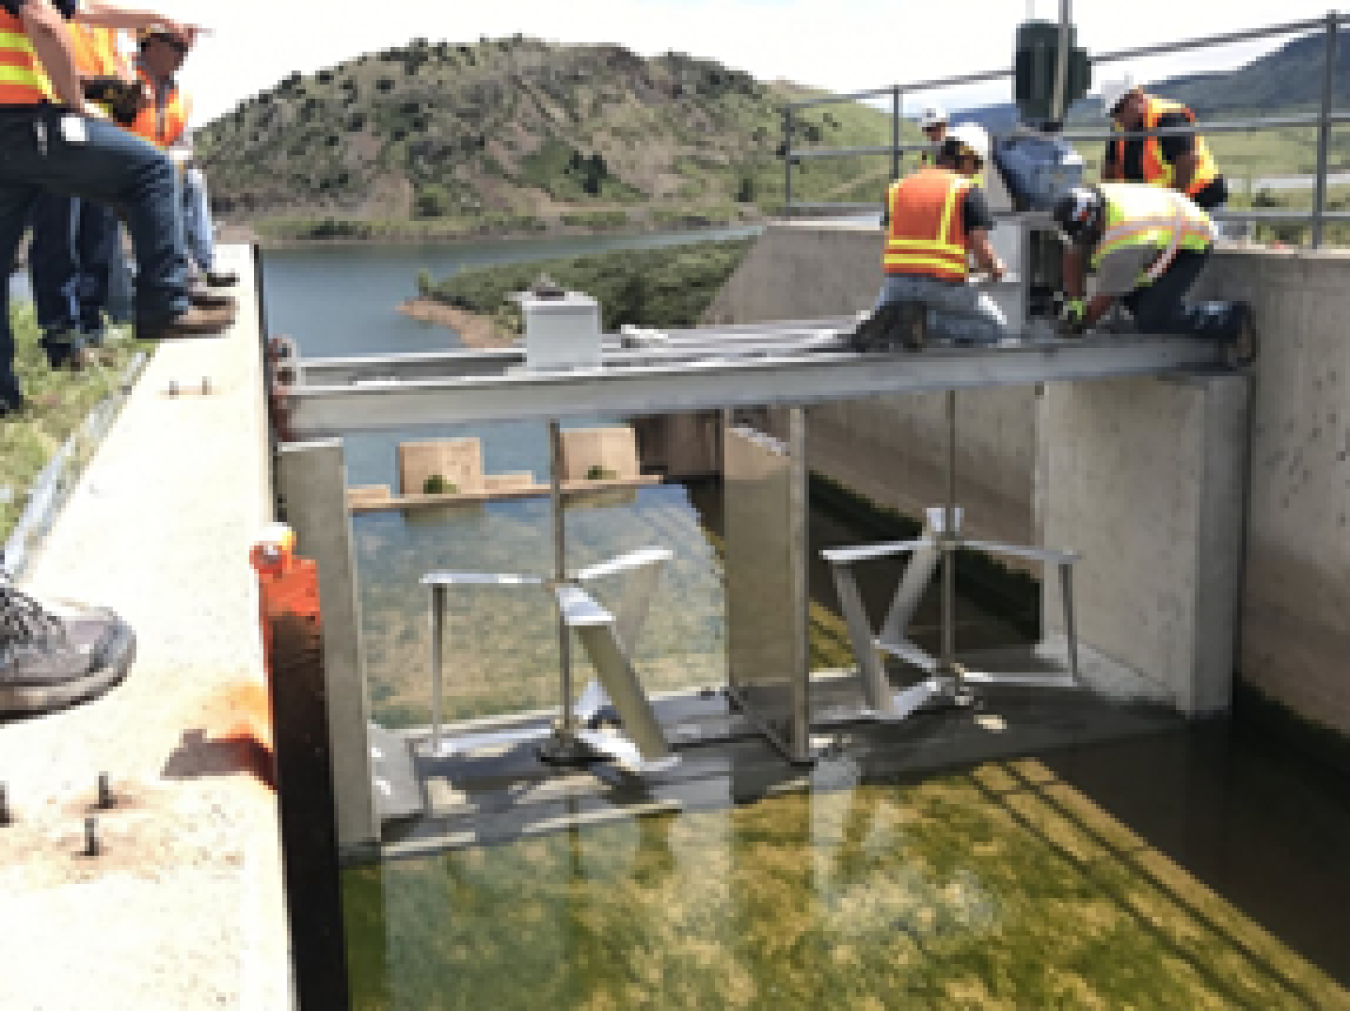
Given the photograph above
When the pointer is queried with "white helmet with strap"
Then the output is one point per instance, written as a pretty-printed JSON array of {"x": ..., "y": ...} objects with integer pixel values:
[{"x": 971, "y": 138}]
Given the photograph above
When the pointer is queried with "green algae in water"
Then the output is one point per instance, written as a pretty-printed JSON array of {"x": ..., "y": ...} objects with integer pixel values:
[{"x": 999, "y": 887}]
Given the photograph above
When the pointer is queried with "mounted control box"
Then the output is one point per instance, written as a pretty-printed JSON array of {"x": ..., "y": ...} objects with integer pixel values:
[{"x": 561, "y": 331}]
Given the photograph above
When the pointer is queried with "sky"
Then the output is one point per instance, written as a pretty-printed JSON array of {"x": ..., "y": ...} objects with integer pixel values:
[{"x": 840, "y": 45}]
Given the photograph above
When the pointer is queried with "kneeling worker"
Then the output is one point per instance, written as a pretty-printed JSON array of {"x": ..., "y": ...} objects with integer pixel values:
[
  {"x": 936, "y": 219},
  {"x": 1146, "y": 246}
]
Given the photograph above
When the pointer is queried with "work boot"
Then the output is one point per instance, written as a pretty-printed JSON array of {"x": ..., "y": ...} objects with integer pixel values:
[
  {"x": 894, "y": 325},
  {"x": 1242, "y": 349},
  {"x": 221, "y": 278},
  {"x": 51, "y": 656},
  {"x": 911, "y": 324},
  {"x": 64, "y": 350},
  {"x": 211, "y": 299},
  {"x": 192, "y": 322}
]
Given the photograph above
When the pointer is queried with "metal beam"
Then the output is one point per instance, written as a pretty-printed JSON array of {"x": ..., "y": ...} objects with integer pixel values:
[
  {"x": 729, "y": 381},
  {"x": 312, "y": 481}
]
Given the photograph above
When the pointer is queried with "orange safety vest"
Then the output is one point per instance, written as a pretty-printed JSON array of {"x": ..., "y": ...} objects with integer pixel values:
[
  {"x": 95, "y": 51},
  {"x": 22, "y": 81},
  {"x": 927, "y": 234},
  {"x": 1157, "y": 171},
  {"x": 162, "y": 127}
]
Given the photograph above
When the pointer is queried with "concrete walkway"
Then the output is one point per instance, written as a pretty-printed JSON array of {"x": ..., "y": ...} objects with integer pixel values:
[{"x": 185, "y": 908}]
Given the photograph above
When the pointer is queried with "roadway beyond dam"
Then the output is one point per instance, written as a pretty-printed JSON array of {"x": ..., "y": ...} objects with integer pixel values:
[{"x": 1293, "y": 632}]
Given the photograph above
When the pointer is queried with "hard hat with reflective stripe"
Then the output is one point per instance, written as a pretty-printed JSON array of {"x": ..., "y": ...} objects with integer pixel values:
[{"x": 1114, "y": 92}]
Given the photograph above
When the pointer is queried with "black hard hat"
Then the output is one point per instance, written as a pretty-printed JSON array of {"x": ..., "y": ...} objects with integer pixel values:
[{"x": 1078, "y": 215}]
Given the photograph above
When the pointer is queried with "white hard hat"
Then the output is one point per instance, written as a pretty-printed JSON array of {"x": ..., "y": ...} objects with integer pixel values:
[
  {"x": 932, "y": 116},
  {"x": 973, "y": 138},
  {"x": 1113, "y": 92}
]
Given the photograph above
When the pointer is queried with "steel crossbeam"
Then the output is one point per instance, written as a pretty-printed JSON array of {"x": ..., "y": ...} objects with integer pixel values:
[{"x": 705, "y": 369}]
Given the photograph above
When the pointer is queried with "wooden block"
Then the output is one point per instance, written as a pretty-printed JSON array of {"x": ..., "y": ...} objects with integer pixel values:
[
  {"x": 459, "y": 461},
  {"x": 614, "y": 449}
]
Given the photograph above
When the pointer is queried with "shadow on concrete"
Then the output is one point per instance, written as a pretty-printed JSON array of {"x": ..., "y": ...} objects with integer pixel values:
[{"x": 198, "y": 755}]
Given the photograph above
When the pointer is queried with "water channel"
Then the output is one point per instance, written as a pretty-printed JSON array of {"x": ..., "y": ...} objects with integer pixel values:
[{"x": 1194, "y": 868}]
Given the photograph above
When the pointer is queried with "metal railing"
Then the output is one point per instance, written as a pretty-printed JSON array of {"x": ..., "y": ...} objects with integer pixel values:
[{"x": 1324, "y": 119}]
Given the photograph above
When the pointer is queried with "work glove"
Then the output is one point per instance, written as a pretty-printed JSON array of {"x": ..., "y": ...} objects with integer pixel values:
[{"x": 1072, "y": 318}]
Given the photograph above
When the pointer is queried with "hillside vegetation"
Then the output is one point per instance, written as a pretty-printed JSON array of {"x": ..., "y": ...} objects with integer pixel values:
[
  {"x": 520, "y": 135},
  {"x": 667, "y": 287}
]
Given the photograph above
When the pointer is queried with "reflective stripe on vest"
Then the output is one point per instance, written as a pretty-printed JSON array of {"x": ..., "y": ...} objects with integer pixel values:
[
  {"x": 22, "y": 81},
  {"x": 1164, "y": 220},
  {"x": 95, "y": 51},
  {"x": 161, "y": 126},
  {"x": 927, "y": 235},
  {"x": 1157, "y": 170}
]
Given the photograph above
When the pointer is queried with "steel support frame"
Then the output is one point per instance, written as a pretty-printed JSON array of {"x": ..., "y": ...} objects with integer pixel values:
[
  {"x": 930, "y": 550},
  {"x": 679, "y": 381},
  {"x": 609, "y": 639}
]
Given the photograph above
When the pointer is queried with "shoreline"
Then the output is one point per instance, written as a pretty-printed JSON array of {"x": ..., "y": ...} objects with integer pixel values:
[
  {"x": 475, "y": 330},
  {"x": 250, "y": 235}
]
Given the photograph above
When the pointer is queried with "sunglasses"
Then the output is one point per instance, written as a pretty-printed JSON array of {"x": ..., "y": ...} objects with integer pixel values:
[{"x": 177, "y": 45}]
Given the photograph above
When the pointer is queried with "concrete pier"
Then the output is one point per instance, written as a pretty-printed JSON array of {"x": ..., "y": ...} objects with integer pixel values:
[
  {"x": 1144, "y": 478},
  {"x": 185, "y": 906}
]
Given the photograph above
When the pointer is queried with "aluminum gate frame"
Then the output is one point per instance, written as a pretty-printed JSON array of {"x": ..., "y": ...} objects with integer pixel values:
[{"x": 646, "y": 373}]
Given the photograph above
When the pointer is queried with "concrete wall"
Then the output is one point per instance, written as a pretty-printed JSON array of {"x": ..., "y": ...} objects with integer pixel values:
[
  {"x": 801, "y": 270},
  {"x": 1295, "y": 615},
  {"x": 1295, "y": 631},
  {"x": 1144, "y": 478}
]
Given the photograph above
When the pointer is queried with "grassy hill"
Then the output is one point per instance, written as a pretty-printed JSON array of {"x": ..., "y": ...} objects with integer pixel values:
[{"x": 521, "y": 135}]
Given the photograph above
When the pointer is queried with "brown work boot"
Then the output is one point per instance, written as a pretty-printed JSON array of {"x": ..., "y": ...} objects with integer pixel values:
[
  {"x": 208, "y": 299},
  {"x": 193, "y": 322}
]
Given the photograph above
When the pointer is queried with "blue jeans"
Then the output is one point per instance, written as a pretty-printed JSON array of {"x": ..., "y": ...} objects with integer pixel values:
[
  {"x": 70, "y": 260},
  {"x": 1161, "y": 308},
  {"x": 955, "y": 311},
  {"x": 197, "y": 230},
  {"x": 93, "y": 159}
]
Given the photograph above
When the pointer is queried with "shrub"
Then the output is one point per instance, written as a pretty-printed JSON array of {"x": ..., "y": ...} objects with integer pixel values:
[
  {"x": 598, "y": 473},
  {"x": 432, "y": 201},
  {"x": 437, "y": 484}
]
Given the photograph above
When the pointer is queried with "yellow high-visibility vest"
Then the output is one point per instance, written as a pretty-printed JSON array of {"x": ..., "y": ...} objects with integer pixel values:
[{"x": 1140, "y": 215}]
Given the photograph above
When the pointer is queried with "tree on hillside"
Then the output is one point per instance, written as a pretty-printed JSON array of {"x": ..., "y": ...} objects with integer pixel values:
[{"x": 432, "y": 201}]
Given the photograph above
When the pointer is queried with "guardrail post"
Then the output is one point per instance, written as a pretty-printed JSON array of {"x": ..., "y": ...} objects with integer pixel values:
[
  {"x": 1324, "y": 128},
  {"x": 787, "y": 162},
  {"x": 895, "y": 133}
]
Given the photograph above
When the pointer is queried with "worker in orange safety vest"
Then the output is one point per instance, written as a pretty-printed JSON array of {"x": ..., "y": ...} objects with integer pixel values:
[
  {"x": 164, "y": 118},
  {"x": 936, "y": 221},
  {"x": 1180, "y": 161}
]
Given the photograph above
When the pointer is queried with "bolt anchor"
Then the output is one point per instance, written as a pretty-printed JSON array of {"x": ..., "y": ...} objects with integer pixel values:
[{"x": 91, "y": 843}]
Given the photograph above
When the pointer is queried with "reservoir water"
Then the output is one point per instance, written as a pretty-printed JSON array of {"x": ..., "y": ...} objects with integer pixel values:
[{"x": 1196, "y": 868}]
